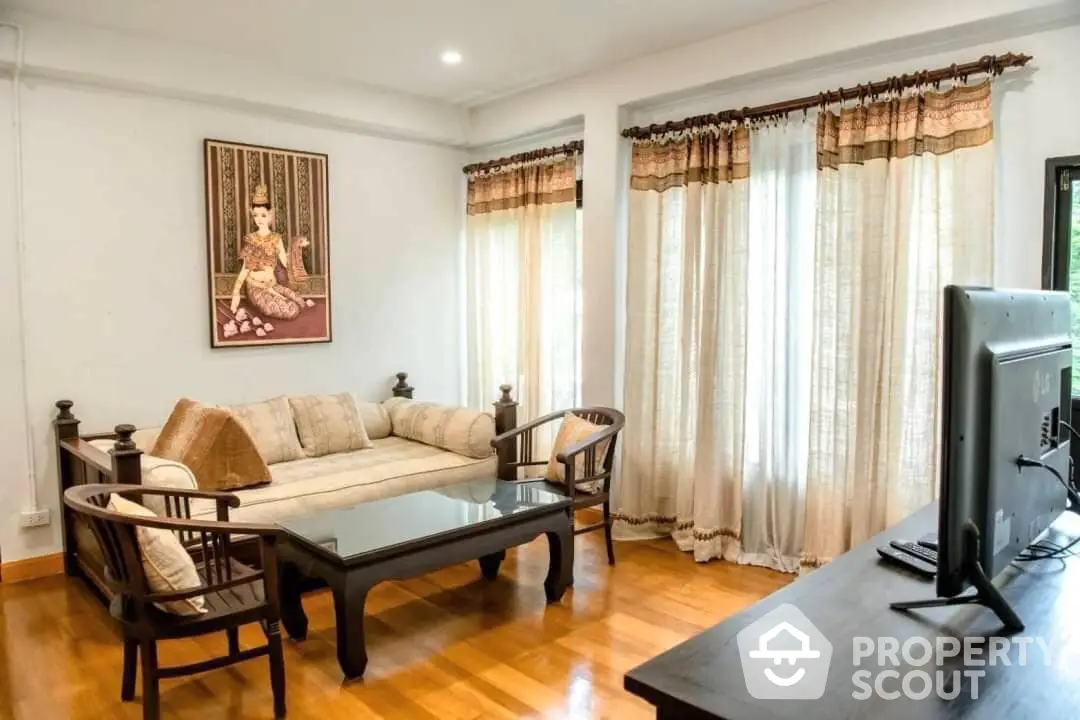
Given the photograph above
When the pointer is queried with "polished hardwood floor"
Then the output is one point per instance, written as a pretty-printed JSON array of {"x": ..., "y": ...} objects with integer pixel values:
[{"x": 447, "y": 646}]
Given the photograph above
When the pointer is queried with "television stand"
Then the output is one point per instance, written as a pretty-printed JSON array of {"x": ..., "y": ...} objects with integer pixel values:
[{"x": 985, "y": 593}]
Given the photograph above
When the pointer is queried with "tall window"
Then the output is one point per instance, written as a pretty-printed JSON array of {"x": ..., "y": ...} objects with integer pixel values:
[
  {"x": 523, "y": 281},
  {"x": 1061, "y": 261},
  {"x": 783, "y": 289}
]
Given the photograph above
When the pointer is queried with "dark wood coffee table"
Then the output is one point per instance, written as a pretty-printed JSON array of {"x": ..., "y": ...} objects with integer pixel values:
[{"x": 353, "y": 549}]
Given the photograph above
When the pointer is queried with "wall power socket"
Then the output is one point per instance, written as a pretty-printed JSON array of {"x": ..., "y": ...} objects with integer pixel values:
[{"x": 34, "y": 518}]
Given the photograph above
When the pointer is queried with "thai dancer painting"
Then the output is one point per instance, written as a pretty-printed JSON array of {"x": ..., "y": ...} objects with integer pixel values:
[{"x": 268, "y": 245}]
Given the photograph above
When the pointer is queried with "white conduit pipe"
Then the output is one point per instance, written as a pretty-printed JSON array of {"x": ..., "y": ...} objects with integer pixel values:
[{"x": 20, "y": 259}]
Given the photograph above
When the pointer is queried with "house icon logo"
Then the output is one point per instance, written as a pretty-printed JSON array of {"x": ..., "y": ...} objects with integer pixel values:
[{"x": 784, "y": 657}]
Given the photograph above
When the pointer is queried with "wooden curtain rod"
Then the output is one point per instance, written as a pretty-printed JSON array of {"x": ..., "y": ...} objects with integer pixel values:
[
  {"x": 992, "y": 64},
  {"x": 570, "y": 148}
]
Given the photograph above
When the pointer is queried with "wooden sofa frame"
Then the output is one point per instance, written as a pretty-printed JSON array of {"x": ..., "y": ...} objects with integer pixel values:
[{"x": 80, "y": 463}]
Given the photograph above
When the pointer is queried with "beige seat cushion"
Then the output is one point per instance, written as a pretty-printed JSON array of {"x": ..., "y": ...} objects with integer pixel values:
[
  {"x": 270, "y": 424},
  {"x": 573, "y": 431},
  {"x": 213, "y": 443},
  {"x": 158, "y": 472},
  {"x": 328, "y": 424},
  {"x": 168, "y": 567},
  {"x": 392, "y": 466},
  {"x": 457, "y": 429}
]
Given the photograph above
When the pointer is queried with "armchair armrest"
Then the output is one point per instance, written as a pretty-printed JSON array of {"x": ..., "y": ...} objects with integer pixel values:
[
  {"x": 75, "y": 499},
  {"x": 528, "y": 427}
]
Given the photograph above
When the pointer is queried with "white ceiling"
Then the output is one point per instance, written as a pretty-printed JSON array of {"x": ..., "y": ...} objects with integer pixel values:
[{"x": 508, "y": 45}]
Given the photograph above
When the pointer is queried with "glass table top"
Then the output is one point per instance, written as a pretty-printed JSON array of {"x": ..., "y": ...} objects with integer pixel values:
[{"x": 350, "y": 534}]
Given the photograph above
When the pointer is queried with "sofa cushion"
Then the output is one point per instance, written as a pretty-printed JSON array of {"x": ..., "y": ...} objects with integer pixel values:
[
  {"x": 392, "y": 466},
  {"x": 270, "y": 424},
  {"x": 376, "y": 419},
  {"x": 329, "y": 424},
  {"x": 457, "y": 429},
  {"x": 213, "y": 443}
]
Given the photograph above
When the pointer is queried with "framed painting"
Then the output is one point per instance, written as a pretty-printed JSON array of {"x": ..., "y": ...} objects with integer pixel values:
[{"x": 268, "y": 245}]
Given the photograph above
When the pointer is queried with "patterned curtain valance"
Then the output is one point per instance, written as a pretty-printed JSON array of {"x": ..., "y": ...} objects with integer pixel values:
[
  {"x": 701, "y": 155},
  {"x": 930, "y": 122},
  {"x": 542, "y": 182}
]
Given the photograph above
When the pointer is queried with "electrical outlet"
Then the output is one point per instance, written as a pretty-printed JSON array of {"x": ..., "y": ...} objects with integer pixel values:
[{"x": 34, "y": 518}]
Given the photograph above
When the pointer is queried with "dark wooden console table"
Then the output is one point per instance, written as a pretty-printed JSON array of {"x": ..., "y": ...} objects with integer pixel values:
[
  {"x": 354, "y": 549},
  {"x": 702, "y": 678}
]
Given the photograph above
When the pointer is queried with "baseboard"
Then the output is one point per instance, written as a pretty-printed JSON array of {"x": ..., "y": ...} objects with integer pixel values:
[{"x": 32, "y": 568}]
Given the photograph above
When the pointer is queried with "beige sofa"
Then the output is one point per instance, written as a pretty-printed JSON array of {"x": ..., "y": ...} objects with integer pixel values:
[{"x": 413, "y": 446}]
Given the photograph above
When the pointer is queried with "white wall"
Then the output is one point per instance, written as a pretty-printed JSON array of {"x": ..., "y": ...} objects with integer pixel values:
[
  {"x": 840, "y": 43},
  {"x": 115, "y": 298}
]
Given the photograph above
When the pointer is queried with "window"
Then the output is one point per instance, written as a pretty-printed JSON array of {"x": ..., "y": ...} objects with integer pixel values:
[
  {"x": 1061, "y": 256},
  {"x": 1061, "y": 253},
  {"x": 523, "y": 291}
]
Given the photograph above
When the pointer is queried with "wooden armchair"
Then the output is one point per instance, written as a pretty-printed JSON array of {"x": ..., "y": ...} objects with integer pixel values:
[
  {"x": 234, "y": 594},
  {"x": 584, "y": 488}
]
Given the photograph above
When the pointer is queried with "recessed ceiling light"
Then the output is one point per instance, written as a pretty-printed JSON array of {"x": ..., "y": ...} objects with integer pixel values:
[{"x": 451, "y": 57}]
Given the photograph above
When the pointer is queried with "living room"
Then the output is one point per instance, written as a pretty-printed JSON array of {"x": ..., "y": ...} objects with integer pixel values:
[{"x": 740, "y": 455}]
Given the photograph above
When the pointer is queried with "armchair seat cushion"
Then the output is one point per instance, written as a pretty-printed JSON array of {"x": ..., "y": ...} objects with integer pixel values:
[{"x": 392, "y": 466}]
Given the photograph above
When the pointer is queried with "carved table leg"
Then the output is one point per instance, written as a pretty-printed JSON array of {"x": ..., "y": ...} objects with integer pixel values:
[
  {"x": 489, "y": 564},
  {"x": 293, "y": 616},
  {"x": 561, "y": 563},
  {"x": 350, "y": 593}
]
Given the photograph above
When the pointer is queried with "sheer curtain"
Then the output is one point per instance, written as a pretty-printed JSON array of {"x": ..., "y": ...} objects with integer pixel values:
[
  {"x": 523, "y": 285},
  {"x": 780, "y": 277},
  {"x": 905, "y": 207},
  {"x": 718, "y": 342},
  {"x": 784, "y": 290}
]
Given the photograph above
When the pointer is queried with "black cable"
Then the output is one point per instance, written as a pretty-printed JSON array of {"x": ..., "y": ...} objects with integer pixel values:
[
  {"x": 1071, "y": 429},
  {"x": 1024, "y": 461},
  {"x": 1049, "y": 552}
]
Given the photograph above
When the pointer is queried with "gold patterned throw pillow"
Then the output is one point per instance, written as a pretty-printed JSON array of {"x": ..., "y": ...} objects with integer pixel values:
[
  {"x": 574, "y": 431},
  {"x": 329, "y": 424},
  {"x": 167, "y": 565},
  {"x": 213, "y": 444},
  {"x": 457, "y": 429},
  {"x": 270, "y": 424}
]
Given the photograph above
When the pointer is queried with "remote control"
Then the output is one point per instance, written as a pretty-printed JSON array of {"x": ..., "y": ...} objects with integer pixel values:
[
  {"x": 916, "y": 550},
  {"x": 929, "y": 540},
  {"x": 908, "y": 562}
]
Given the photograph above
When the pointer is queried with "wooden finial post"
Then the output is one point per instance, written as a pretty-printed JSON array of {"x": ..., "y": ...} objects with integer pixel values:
[
  {"x": 127, "y": 467},
  {"x": 506, "y": 420},
  {"x": 403, "y": 389},
  {"x": 66, "y": 427},
  {"x": 66, "y": 424}
]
